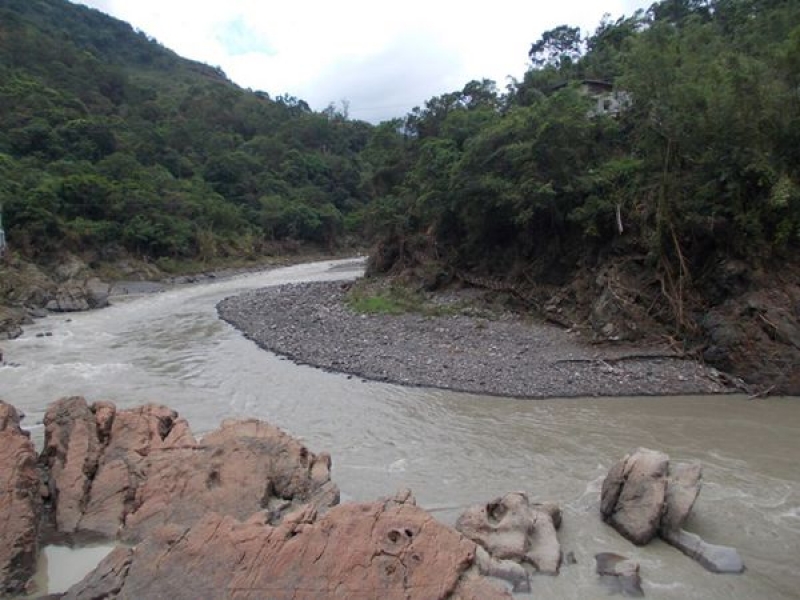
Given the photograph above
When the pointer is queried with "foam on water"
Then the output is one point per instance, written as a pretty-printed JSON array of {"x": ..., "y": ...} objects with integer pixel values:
[{"x": 398, "y": 466}]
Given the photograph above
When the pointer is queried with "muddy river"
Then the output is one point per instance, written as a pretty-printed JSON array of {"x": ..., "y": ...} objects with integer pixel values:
[{"x": 452, "y": 449}]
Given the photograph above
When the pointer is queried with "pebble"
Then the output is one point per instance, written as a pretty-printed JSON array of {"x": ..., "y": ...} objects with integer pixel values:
[{"x": 311, "y": 324}]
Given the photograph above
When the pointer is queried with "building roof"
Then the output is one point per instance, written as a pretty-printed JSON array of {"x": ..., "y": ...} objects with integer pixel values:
[{"x": 606, "y": 86}]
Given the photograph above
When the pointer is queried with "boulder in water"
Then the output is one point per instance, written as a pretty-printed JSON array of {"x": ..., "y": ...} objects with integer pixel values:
[
  {"x": 619, "y": 574},
  {"x": 633, "y": 494},
  {"x": 517, "y": 535},
  {"x": 75, "y": 296},
  {"x": 97, "y": 292},
  {"x": 718, "y": 559},
  {"x": 644, "y": 495},
  {"x": 10, "y": 323}
]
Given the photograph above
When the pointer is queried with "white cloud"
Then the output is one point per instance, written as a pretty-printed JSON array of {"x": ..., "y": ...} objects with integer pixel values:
[
  {"x": 385, "y": 57},
  {"x": 377, "y": 85},
  {"x": 238, "y": 38}
]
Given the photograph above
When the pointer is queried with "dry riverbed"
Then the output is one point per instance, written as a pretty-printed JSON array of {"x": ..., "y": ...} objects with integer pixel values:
[{"x": 504, "y": 355}]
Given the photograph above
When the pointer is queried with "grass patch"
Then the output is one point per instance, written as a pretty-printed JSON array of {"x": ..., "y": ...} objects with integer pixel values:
[
  {"x": 378, "y": 298},
  {"x": 382, "y": 304},
  {"x": 383, "y": 300}
]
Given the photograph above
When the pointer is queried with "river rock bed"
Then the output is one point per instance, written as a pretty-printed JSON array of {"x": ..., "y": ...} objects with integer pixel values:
[{"x": 509, "y": 356}]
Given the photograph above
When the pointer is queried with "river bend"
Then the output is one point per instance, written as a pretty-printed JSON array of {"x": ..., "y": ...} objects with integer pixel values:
[{"x": 451, "y": 449}]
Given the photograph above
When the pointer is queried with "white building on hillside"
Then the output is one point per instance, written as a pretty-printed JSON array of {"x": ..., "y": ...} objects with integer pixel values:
[{"x": 607, "y": 100}]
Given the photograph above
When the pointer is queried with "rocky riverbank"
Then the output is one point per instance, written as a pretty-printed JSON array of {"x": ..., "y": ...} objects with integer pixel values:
[
  {"x": 247, "y": 511},
  {"x": 505, "y": 355},
  {"x": 30, "y": 291}
]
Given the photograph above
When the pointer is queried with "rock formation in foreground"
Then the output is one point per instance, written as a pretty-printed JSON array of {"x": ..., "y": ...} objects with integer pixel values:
[
  {"x": 644, "y": 496},
  {"x": 249, "y": 512},
  {"x": 244, "y": 512},
  {"x": 387, "y": 549},
  {"x": 20, "y": 503},
  {"x": 515, "y": 538},
  {"x": 123, "y": 473}
]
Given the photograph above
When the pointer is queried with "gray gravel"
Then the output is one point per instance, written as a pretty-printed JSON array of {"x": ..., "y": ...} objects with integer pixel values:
[{"x": 506, "y": 356}]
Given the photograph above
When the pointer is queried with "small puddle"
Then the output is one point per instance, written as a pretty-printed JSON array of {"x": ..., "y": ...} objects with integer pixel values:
[{"x": 61, "y": 567}]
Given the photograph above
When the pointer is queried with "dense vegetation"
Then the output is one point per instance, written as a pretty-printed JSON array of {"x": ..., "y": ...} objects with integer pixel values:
[
  {"x": 701, "y": 165},
  {"x": 111, "y": 143}
]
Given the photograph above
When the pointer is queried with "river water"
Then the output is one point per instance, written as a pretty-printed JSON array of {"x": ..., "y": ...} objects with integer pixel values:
[{"x": 451, "y": 449}]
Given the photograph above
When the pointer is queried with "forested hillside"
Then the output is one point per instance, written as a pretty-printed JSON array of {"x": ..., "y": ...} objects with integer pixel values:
[
  {"x": 639, "y": 181},
  {"x": 705, "y": 163},
  {"x": 647, "y": 218},
  {"x": 111, "y": 143}
]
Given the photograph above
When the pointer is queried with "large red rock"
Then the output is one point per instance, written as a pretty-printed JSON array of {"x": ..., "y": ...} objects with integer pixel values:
[
  {"x": 71, "y": 453},
  {"x": 20, "y": 503},
  {"x": 388, "y": 549},
  {"x": 123, "y": 473}
]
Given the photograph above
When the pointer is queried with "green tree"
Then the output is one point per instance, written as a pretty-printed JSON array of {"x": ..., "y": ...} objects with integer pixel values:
[{"x": 559, "y": 47}]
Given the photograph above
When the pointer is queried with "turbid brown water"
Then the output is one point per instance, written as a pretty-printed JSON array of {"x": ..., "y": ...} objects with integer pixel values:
[{"x": 451, "y": 449}]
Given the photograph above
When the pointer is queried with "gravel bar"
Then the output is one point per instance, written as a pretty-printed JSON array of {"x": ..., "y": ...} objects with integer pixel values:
[{"x": 506, "y": 356}]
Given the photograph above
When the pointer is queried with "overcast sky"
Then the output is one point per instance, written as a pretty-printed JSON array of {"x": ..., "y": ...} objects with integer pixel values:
[{"x": 384, "y": 58}]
